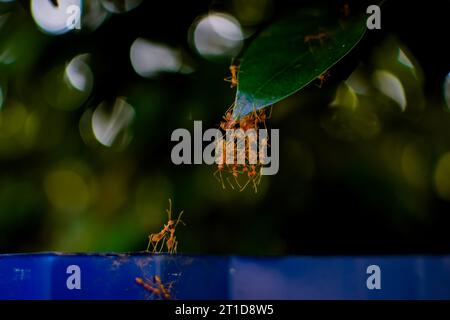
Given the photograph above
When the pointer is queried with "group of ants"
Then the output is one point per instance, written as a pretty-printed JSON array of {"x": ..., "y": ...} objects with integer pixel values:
[
  {"x": 166, "y": 237},
  {"x": 156, "y": 243},
  {"x": 256, "y": 119}
]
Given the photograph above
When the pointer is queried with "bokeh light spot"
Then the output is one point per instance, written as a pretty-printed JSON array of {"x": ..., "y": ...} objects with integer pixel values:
[
  {"x": 351, "y": 125},
  {"x": 94, "y": 14},
  {"x": 391, "y": 87},
  {"x": 67, "y": 191},
  {"x": 67, "y": 87},
  {"x": 79, "y": 74},
  {"x": 252, "y": 12},
  {"x": 12, "y": 119},
  {"x": 345, "y": 97},
  {"x": 120, "y": 6},
  {"x": 110, "y": 124},
  {"x": 217, "y": 34},
  {"x": 7, "y": 56},
  {"x": 357, "y": 81},
  {"x": 403, "y": 59},
  {"x": 149, "y": 58},
  {"x": 53, "y": 19}
]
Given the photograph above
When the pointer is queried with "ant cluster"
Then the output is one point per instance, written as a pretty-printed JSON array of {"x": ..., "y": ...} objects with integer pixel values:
[
  {"x": 240, "y": 174},
  {"x": 166, "y": 235},
  {"x": 156, "y": 287}
]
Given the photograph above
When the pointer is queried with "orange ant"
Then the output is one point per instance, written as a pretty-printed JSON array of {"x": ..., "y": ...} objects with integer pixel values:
[
  {"x": 320, "y": 36},
  {"x": 148, "y": 286},
  {"x": 233, "y": 78},
  {"x": 322, "y": 78},
  {"x": 229, "y": 121},
  {"x": 346, "y": 10},
  {"x": 262, "y": 116},
  {"x": 157, "y": 288},
  {"x": 167, "y": 234},
  {"x": 251, "y": 121},
  {"x": 155, "y": 238},
  {"x": 172, "y": 243},
  {"x": 246, "y": 123},
  {"x": 164, "y": 290}
]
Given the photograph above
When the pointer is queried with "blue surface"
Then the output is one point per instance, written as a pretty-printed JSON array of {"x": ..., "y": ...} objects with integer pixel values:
[{"x": 112, "y": 276}]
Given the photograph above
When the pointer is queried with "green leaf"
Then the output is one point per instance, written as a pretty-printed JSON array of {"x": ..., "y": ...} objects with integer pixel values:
[{"x": 279, "y": 62}]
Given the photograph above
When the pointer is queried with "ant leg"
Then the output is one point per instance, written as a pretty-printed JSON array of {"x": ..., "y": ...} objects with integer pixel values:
[
  {"x": 270, "y": 113},
  {"x": 256, "y": 181},
  {"x": 230, "y": 107},
  {"x": 149, "y": 242},
  {"x": 320, "y": 83},
  {"x": 162, "y": 244},
  {"x": 155, "y": 246},
  {"x": 230, "y": 80},
  {"x": 232, "y": 187},
  {"x": 237, "y": 182},
  {"x": 264, "y": 122},
  {"x": 245, "y": 185},
  {"x": 175, "y": 245},
  {"x": 169, "y": 211},
  {"x": 259, "y": 177},
  {"x": 255, "y": 186},
  {"x": 179, "y": 220},
  {"x": 236, "y": 177},
  {"x": 221, "y": 179}
]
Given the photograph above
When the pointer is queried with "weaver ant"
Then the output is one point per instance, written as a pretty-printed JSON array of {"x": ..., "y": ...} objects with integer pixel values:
[
  {"x": 148, "y": 286},
  {"x": 156, "y": 288},
  {"x": 320, "y": 36},
  {"x": 346, "y": 10},
  {"x": 322, "y": 78},
  {"x": 166, "y": 235},
  {"x": 233, "y": 78},
  {"x": 164, "y": 290}
]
